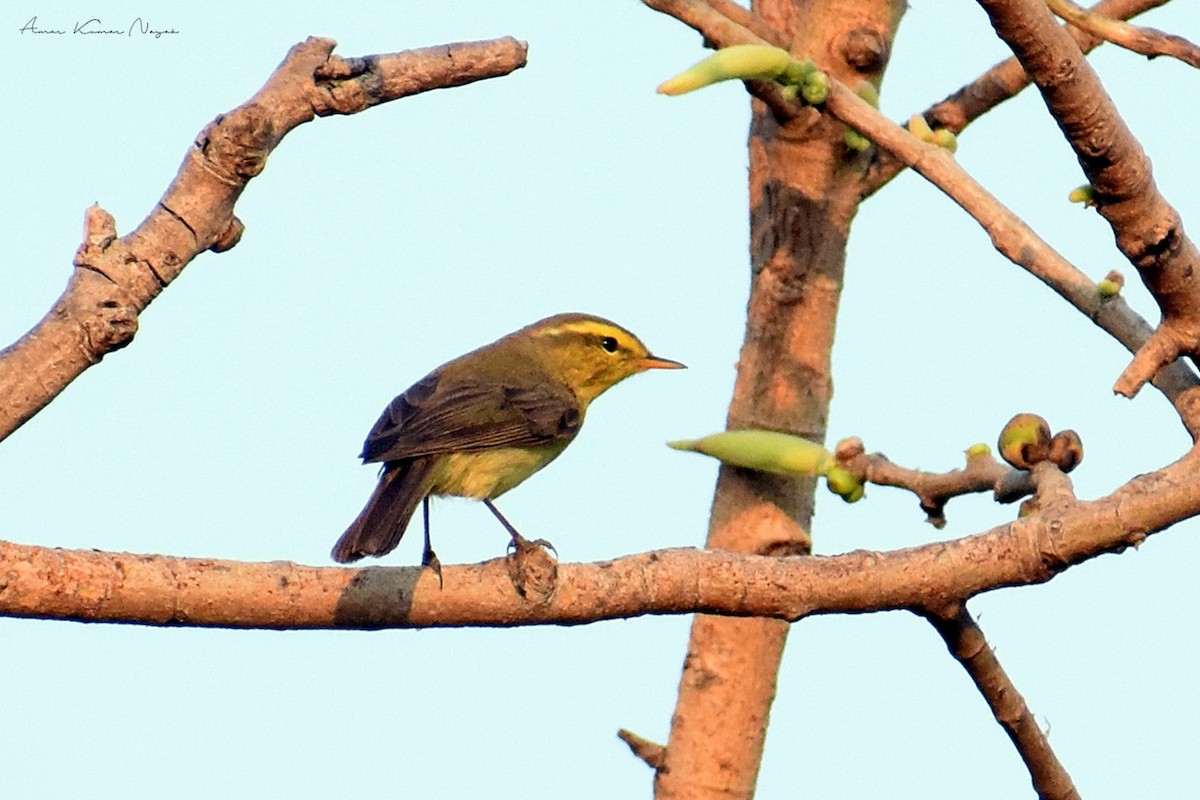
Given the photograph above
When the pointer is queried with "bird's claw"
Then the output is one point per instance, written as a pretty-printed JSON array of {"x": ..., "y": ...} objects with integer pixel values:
[
  {"x": 520, "y": 544},
  {"x": 430, "y": 559}
]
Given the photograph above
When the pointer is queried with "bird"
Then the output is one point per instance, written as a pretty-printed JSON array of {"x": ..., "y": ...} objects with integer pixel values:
[{"x": 479, "y": 425}]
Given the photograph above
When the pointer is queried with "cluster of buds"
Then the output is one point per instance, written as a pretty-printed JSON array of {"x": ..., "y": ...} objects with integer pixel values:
[{"x": 1026, "y": 441}]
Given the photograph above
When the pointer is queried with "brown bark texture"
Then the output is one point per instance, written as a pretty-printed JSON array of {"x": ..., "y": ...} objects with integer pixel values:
[
  {"x": 804, "y": 191},
  {"x": 116, "y": 278}
]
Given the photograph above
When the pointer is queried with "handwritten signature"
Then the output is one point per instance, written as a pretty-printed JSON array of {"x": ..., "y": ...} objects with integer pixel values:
[{"x": 96, "y": 27}]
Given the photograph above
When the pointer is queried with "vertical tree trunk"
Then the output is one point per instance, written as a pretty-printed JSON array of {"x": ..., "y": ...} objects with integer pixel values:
[{"x": 804, "y": 190}]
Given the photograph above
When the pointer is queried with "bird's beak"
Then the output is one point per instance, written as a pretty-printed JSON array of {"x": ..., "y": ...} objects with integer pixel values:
[{"x": 654, "y": 362}]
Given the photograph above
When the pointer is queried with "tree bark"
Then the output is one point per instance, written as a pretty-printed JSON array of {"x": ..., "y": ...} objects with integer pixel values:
[{"x": 804, "y": 190}]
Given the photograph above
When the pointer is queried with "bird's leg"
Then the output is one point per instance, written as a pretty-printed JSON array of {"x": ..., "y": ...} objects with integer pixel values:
[
  {"x": 429, "y": 558},
  {"x": 519, "y": 542}
]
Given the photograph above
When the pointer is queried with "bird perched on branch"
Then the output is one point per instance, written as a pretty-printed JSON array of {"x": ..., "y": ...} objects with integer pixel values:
[{"x": 481, "y": 424}]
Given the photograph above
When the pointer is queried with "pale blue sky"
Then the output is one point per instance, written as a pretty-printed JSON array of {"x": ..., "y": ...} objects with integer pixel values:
[{"x": 379, "y": 245}]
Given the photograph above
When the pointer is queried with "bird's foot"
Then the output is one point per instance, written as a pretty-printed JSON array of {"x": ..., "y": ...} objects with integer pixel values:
[
  {"x": 533, "y": 572},
  {"x": 430, "y": 559},
  {"x": 520, "y": 544}
]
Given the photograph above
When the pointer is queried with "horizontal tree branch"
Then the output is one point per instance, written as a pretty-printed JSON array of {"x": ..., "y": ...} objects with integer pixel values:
[
  {"x": 116, "y": 278},
  {"x": 88, "y": 585}
]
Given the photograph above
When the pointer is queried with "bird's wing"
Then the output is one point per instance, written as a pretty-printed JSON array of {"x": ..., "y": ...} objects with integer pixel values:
[{"x": 437, "y": 415}]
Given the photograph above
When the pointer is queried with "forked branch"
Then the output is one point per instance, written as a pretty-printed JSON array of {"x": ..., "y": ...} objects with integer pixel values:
[{"x": 116, "y": 278}]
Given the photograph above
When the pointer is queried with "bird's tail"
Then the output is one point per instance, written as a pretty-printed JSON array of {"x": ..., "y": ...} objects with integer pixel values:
[{"x": 378, "y": 527}]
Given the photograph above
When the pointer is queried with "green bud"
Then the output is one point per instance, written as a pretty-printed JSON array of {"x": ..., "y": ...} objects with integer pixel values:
[
  {"x": 945, "y": 138},
  {"x": 843, "y": 483},
  {"x": 764, "y": 451},
  {"x": 1111, "y": 284},
  {"x": 919, "y": 128},
  {"x": 815, "y": 88},
  {"x": 796, "y": 72},
  {"x": 1025, "y": 441},
  {"x": 856, "y": 141},
  {"x": 978, "y": 450},
  {"x": 744, "y": 61},
  {"x": 1085, "y": 194},
  {"x": 869, "y": 92}
]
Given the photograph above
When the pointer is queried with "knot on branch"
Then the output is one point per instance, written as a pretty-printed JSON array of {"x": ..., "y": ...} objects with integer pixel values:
[
  {"x": 111, "y": 325},
  {"x": 229, "y": 237},
  {"x": 235, "y": 145},
  {"x": 866, "y": 50}
]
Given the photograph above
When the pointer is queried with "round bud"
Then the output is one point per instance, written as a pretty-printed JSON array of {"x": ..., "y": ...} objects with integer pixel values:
[
  {"x": 945, "y": 138},
  {"x": 843, "y": 483},
  {"x": 919, "y": 128},
  {"x": 815, "y": 88},
  {"x": 1024, "y": 441},
  {"x": 978, "y": 450},
  {"x": 1066, "y": 450}
]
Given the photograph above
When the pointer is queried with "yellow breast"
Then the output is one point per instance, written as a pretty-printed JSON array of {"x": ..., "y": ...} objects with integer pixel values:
[{"x": 487, "y": 474}]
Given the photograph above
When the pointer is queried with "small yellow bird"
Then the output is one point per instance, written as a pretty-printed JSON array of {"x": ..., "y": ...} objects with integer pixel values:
[{"x": 479, "y": 425}]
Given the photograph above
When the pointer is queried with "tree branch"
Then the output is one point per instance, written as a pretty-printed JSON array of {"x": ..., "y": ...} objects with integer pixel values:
[
  {"x": 1010, "y": 234},
  {"x": 116, "y": 278},
  {"x": 1002, "y": 82},
  {"x": 966, "y": 642},
  {"x": 1147, "y": 41},
  {"x": 1017, "y": 241},
  {"x": 1148, "y": 230},
  {"x": 933, "y": 490},
  {"x": 92, "y": 586}
]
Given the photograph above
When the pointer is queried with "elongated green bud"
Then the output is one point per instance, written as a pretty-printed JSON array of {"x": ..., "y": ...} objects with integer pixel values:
[
  {"x": 743, "y": 61},
  {"x": 919, "y": 128},
  {"x": 765, "y": 451},
  {"x": 1025, "y": 440}
]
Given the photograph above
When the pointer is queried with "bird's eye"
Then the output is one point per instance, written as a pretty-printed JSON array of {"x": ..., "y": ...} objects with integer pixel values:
[{"x": 609, "y": 344}]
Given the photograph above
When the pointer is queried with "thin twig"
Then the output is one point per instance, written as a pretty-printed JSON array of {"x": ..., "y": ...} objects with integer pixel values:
[
  {"x": 648, "y": 751},
  {"x": 1149, "y": 42},
  {"x": 966, "y": 642},
  {"x": 983, "y": 473}
]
